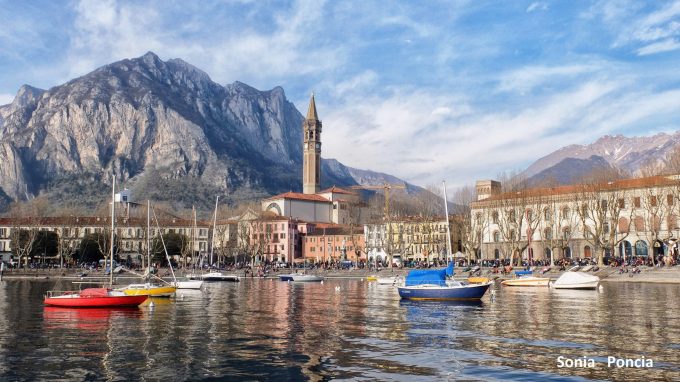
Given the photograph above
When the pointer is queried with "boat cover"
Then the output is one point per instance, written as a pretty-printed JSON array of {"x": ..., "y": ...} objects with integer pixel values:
[
  {"x": 523, "y": 273},
  {"x": 429, "y": 276},
  {"x": 94, "y": 292},
  {"x": 574, "y": 278}
]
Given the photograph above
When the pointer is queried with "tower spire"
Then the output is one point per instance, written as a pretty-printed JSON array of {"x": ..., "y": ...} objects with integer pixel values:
[
  {"x": 311, "y": 111},
  {"x": 311, "y": 152}
]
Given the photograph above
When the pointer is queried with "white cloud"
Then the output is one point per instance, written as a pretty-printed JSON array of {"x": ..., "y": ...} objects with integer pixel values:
[
  {"x": 526, "y": 78},
  {"x": 537, "y": 6},
  {"x": 6, "y": 98},
  {"x": 659, "y": 47}
]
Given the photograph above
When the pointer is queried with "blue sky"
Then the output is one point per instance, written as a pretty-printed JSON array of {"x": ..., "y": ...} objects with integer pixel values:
[{"x": 424, "y": 90}]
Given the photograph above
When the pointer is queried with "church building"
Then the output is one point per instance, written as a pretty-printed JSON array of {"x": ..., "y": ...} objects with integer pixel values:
[{"x": 312, "y": 205}]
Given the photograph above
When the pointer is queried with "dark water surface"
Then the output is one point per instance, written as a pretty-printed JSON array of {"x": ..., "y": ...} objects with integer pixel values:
[{"x": 266, "y": 329}]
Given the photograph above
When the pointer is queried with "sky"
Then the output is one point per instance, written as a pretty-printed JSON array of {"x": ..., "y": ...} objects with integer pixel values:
[{"x": 423, "y": 90}]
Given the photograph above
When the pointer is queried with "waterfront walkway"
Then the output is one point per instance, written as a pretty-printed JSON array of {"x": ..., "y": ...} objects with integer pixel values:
[{"x": 670, "y": 275}]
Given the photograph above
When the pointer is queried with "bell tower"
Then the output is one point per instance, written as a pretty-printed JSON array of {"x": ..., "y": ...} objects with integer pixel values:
[{"x": 311, "y": 150}]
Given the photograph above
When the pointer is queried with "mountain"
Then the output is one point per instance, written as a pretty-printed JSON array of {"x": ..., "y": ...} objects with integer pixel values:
[
  {"x": 625, "y": 154},
  {"x": 570, "y": 170},
  {"x": 164, "y": 128}
]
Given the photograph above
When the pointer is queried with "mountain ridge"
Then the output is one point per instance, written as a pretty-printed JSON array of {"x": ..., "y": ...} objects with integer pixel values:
[{"x": 166, "y": 117}]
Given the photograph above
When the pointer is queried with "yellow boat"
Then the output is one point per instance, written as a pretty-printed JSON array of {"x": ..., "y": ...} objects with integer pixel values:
[
  {"x": 150, "y": 290},
  {"x": 372, "y": 278},
  {"x": 478, "y": 280}
]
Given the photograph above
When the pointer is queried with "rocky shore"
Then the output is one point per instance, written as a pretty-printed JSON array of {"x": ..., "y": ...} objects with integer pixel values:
[{"x": 663, "y": 275}]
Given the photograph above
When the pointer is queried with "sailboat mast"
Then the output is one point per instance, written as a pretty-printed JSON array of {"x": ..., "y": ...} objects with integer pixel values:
[
  {"x": 113, "y": 218},
  {"x": 212, "y": 243},
  {"x": 448, "y": 229},
  {"x": 148, "y": 235}
]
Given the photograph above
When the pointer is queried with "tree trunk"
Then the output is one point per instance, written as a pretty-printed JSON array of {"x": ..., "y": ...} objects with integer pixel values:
[{"x": 600, "y": 258}]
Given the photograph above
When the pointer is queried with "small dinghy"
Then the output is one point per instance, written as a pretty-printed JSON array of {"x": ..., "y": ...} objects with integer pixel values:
[
  {"x": 526, "y": 279},
  {"x": 576, "y": 280}
]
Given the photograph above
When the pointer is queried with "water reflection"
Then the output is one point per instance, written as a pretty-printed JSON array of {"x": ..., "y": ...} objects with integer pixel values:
[{"x": 266, "y": 329}]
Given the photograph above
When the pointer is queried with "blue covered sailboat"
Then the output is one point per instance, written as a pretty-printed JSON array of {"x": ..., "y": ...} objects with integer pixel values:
[{"x": 435, "y": 285}]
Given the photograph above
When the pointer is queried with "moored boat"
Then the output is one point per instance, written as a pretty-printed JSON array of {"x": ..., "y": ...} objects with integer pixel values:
[
  {"x": 149, "y": 289},
  {"x": 219, "y": 276},
  {"x": 287, "y": 276},
  {"x": 433, "y": 285},
  {"x": 478, "y": 280},
  {"x": 306, "y": 278},
  {"x": 92, "y": 298},
  {"x": 576, "y": 280},
  {"x": 188, "y": 284},
  {"x": 393, "y": 280},
  {"x": 526, "y": 279}
]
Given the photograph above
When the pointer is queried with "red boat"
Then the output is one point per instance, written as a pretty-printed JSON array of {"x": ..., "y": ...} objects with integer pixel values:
[{"x": 92, "y": 298}]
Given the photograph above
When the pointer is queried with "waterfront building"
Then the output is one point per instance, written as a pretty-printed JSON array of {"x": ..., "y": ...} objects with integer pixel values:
[
  {"x": 326, "y": 243},
  {"x": 417, "y": 238},
  {"x": 131, "y": 234},
  {"x": 625, "y": 218}
]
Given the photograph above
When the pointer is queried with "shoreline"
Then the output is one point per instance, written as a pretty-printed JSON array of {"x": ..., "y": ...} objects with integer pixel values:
[{"x": 647, "y": 274}]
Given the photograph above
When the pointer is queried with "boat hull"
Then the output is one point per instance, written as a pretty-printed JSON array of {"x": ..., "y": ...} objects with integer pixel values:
[
  {"x": 151, "y": 291},
  {"x": 307, "y": 278},
  {"x": 216, "y": 276},
  {"x": 76, "y": 301},
  {"x": 527, "y": 282},
  {"x": 286, "y": 277},
  {"x": 590, "y": 285},
  {"x": 387, "y": 280},
  {"x": 434, "y": 292},
  {"x": 191, "y": 284}
]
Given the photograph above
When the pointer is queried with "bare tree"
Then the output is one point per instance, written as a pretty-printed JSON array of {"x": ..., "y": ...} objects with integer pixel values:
[
  {"x": 558, "y": 224},
  {"x": 517, "y": 220},
  {"x": 600, "y": 208}
]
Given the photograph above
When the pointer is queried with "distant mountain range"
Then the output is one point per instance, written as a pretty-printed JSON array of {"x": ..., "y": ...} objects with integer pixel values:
[
  {"x": 627, "y": 155},
  {"x": 165, "y": 129}
]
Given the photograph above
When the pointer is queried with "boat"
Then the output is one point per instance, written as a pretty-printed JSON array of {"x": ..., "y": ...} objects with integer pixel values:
[
  {"x": 96, "y": 297},
  {"x": 287, "y": 276},
  {"x": 574, "y": 268},
  {"x": 219, "y": 276},
  {"x": 299, "y": 277},
  {"x": 478, "y": 280},
  {"x": 434, "y": 285},
  {"x": 149, "y": 289},
  {"x": 576, "y": 280},
  {"x": 372, "y": 278},
  {"x": 188, "y": 284},
  {"x": 587, "y": 268},
  {"x": 93, "y": 298},
  {"x": 526, "y": 279},
  {"x": 393, "y": 280}
]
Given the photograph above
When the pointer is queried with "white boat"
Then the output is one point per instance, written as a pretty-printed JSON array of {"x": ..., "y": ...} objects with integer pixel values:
[
  {"x": 576, "y": 280},
  {"x": 219, "y": 276},
  {"x": 587, "y": 268},
  {"x": 388, "y": 280},
  {"x": 306, "y": 278},
  {"x": 574, "y": 268},
  {"x": 527, "y": 281},
  {"x": 188, "y": 284}
]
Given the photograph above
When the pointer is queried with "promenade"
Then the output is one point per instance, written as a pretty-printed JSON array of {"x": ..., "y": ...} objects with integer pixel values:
[{"x": 665, "y": 275}]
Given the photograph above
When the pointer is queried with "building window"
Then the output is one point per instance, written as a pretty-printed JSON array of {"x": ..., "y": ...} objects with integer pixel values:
[
  {"x": 511, "y": 216},
  {"x": 548, "y": 234},
  {"x": 496, "y": 236},
  {"x": 566, "y": 213},
  {"x": 494, "y": 217},
  {"x": 547, "y": 215},
  {"x": 636, "y": 201},
  {"x": 566, "y": 233},
  {"x": 652, "y": 200},
  {"x": 669, "y": 199},
  {"x": 622, "y": 203},
  {"x": 530, "y": 215}
]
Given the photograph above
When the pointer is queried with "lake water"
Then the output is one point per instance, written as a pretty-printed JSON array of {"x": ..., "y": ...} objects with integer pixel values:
[{"x": 266, "y": 329}]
